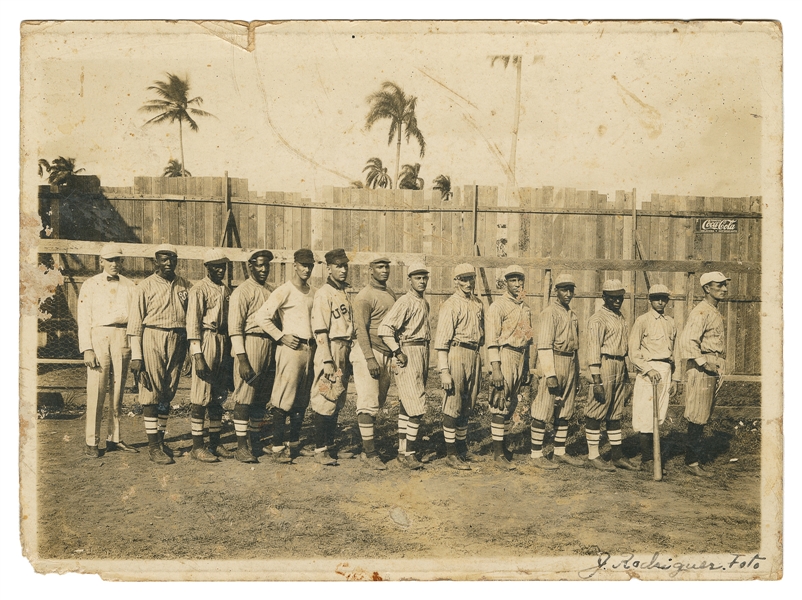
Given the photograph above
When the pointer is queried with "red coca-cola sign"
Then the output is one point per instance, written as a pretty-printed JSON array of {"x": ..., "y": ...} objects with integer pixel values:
[{"x": 716, "y": 225}]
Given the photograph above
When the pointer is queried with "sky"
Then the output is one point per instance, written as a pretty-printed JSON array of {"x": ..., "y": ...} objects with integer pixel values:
[{"x": 668, "y": 108}]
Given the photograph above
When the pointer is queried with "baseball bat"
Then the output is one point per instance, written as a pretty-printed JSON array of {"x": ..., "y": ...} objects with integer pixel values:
[{"x": 658, "y": 460}]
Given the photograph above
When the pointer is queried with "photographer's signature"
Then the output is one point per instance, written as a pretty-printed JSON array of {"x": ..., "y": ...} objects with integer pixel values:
[{"x": 628, "y": 562}]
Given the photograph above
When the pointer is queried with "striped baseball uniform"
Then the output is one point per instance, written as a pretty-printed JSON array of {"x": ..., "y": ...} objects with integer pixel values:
[
  {"x": 460, "y": 331},
  {"x": 158, "y": 316},
  {"x": 103, "y": 306},
  {"x": 332, "y": 314},
  {"x": 292, "y": 309},
  {"x": 370, "y": 306},
  {"x": 607, "y": 349},
  {"x": 557, "y": 347},
  {"x": 702, "y": 340},
  {"x": 244, "y": 303},
  {"x": 207, "y": 322},
  {"x": 651, "y": 347},
  {"x": 509, "y": 335},
  {"x": 407, "y": 322}
]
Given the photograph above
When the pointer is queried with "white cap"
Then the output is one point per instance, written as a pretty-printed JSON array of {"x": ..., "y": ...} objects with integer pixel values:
[
  {"x": 514, "y": 270},
  {"x": 713, "y": 277},
  {"x": 417, "y": 269},
  {"x": 658, "y": 289},
  {"x": 613, "y": 285},
  {"x": 111, "y": 251},
  {"x": 564, "y": 280},
  {"x": 214, "y": 255},
  {"x": 166, "y": 249},
  {"x": 464, "y": 269}
]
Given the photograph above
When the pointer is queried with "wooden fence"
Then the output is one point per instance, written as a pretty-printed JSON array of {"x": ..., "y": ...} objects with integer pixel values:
[{"x": 547, "y": 230}]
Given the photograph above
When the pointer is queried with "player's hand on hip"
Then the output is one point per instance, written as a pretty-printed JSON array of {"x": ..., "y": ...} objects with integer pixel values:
[
  {"x": 373, "y": 367},
  {"x": 496, "y": 377},
  {"x": 401, "y": 359},
  {"x": 244, "y": 368},
  {"x": 329, "y": 370},
  {"x": 554, "y": 386},
  {"x": 90, "y": 360},
  {"x": 201, "y": 368},
  {"x": 290, "y": 341},
  {"x": 654, "y": 376},
  {"x": 672, "y": 391},
  {"x": 447, "y": 381}
]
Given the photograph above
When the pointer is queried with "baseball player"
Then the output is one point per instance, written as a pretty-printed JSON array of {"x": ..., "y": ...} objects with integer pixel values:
[
  {"x": 558, "y": 346},
  {"x": 253, "y": 349},
  {"x": 509, "y": 338},
  {"x": 405, "y": 331},
  {"x": 207, "y": 333},
  {"x": 460, "y": 334},
  {"x": 651, "y": 352},
  {"x": 701, "y": 349},
  {"x": 371, "y": 358},
  {"x": 103, "y": 306},
  {"x": 158, "y": 338},
  {"x": 333, "y": 327},
  {"x": 607, "y": 351},
  {"x": 286, "y": 316}
]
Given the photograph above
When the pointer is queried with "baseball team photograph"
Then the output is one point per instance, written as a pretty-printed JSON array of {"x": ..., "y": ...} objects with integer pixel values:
[{"x": 527, "y": 338}]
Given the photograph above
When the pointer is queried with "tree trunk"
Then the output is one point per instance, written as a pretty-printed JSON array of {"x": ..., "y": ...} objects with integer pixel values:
[{"x": 181, "y": 142}]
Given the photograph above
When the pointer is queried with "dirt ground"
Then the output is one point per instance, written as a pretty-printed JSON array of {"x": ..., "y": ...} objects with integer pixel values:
[{"x": 122, "y": 506}]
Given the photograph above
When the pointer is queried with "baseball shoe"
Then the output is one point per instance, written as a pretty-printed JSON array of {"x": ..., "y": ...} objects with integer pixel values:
[
  {"x": 203, "y": 454},
  {"x": 121, "y": 445},
  {"x": 373, "y": 462},
  {"x": 345, "y": 455},
  {"x": 323, "y": 458},
  {"x": 568, "y": 460},
  {"x": 453, "y": 461},
  {"x": 623, "y": 463},
  {"x": 281, "y": 457},
  {"x": 296, "y": 451},
  {"x": 541, "y": 462},
  {"x": 409, "y": 461},
  {"x": 698, "y": 471},
  {"x": 244, "y": 455},
  {"x": 502, "y": 462},
  {"x": 465, "y": 457},
  {"x": 637, "y": 461},
  {"x": 91, "y": 451},
  {"x": 601, "y": 465},
  {"x": 158, "y": 456},
  {"x": 428, "y": 457},
  {"x": 221, "y": 451},
  {"x": 648, "y": 466},
  {"x": 508, "y": 453}
]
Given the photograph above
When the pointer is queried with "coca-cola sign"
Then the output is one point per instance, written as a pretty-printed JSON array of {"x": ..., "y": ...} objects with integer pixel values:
[{"x": 716, "y": 225}]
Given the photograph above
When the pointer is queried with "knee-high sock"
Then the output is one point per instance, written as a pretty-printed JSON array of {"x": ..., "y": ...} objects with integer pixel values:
[
  {"x": 693, "y": 443},
  {"x": 450, "y": 434},
  {"x": 560, "y": 436},
  {"x": 403, "y": 419},
  {"x": 614, "y": 435},
  {"x": 320, "y": 432},
  {"x": 592, "y": 434},
  {"x": 412, "y": 434},
  {"x": 240, "y": 418},
  {"x": 296, "y": 422},
  {"x": 197, "y": 416},
  {"x": 150, "y": 414},
  {"x": 366, "y": 428},
  {"x": 537, "y": 433},
  {"x": 215, "y": 423},
  {"x": 279, "y": 424}
]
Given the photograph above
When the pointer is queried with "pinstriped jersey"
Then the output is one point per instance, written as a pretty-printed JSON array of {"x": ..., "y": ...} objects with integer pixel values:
[
  {"x": 207, "y": 308},
  {"x": 159, "y": 303},
  {"x": 407, "y": 320},
  {"x": 461, "y": 320},
  {"x": 242, "y": 307},
  {"x": 559, "y": 328},
  {"x": 331, "y": 312},
  {"x": 703, "y": 332},
  {"x": 607, "y": 334},
  {"x": 509, "y": 323}
]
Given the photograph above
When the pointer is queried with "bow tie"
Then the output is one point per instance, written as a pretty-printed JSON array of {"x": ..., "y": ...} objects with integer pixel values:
[{"x": 112, "y": 278}]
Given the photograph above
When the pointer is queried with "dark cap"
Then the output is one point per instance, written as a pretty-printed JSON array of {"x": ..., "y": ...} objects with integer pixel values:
[
  {"x": 304, "y": 256},
  {"x": 336, "y": 257},
  {"x": 382, "y": 260},
  {"x": 253, "y": 255}
]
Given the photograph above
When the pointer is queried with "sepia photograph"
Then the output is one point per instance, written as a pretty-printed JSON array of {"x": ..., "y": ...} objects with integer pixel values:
[{"x": 402, "y": 300}]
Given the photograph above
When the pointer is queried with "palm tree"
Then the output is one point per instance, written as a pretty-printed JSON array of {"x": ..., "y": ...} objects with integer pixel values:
[
  {"x": 61, "y": 172},
  {"x": 442, "y": 183},
  {"x": 174, "y": 105},
  {"x": 410, "y": 179},
  {"x": 392, "y": 103},
  {"x": 377, "y": 174},
  {"x": 175, "y": 169}
]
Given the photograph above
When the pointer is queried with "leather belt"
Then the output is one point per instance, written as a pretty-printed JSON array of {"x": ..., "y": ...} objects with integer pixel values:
[
  {"x": 118, "y": 325},
  {"x": 712, "y": 354},
  {"x": 467, "y": 345},
  {"x": 310, "y": 342},
  {"x": 569, "y": 354},
  {"x": 665, "y": 360},
  {"x": 259, "y": 335},
  {"x": 414, "y": 342},
  {"x": 613, "y": 357},
  {"x": 343, "y": 341},
  {"x": 518, "y": 349},
  {"x": 173, "y": 329}
]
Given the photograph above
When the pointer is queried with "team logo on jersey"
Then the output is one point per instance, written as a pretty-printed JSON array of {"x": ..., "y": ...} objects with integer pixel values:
[
  {"x": 182, "y": 296},
  {"x": 342, "y": 311}
]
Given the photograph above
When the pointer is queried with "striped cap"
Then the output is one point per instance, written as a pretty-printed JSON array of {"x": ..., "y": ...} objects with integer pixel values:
[
  {"x": 417, "y": 269},
  {"x": 658, "y": 289},
  {"x": 166, "y": 249},
  {"x": 514, "y": 270},
  {"x": 464, "y": 269},
  {"x": 214, "y": 255},
  {"x": 613, "y": 286}
]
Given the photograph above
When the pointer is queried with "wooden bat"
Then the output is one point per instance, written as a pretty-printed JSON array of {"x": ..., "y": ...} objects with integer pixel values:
[{"x": 658, "y": 460}]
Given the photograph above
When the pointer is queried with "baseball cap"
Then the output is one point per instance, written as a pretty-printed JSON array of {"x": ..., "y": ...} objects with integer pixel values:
[
  {"x": 336, "y": 257},
  {"x": 417, "y": 269},
  {"x": 564, "y": 280},
  {"x": 713, "y": 277},
  {"x": 514, "y": 270},
  {"x": 380, "y": 260},
  {"x": 166, "y": 249},
  {"x": 304, "y": 256},
  {"x": 260, "y": 252},
  {"x": 613, "y": 286},
  {"x": 111, "y": 251},
  {"x": 464, "y": 269},
  {"x": 214, "y": 255},
  {"x": 658, "y": 289}
]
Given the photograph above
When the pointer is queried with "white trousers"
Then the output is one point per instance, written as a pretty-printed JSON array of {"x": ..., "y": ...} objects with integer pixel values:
[
  {"x": 113, "y": 353},
  {"x": 642, "y": 410}
]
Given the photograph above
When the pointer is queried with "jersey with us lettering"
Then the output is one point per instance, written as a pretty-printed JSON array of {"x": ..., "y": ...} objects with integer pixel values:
[{"x": 331, "y": 311}]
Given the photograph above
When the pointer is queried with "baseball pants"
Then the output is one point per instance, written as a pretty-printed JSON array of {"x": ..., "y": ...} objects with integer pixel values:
[
  {"x": 465, "y": 367},
  {"x": 642, "y": 407},
  {"x": 111, "y": 348},
  {"x": 370, "y": 393},
  {"x": 340, "y": 352},
  {"x": 212, "y": 389},
  {"x": 613, "y": 371},
  {"x": 163, "y": 351},
  {"x": 259, "y": 351},
  {"x": 700, "y": 392},
  {"x": 294, "y": 374},
  {"x": 411, "y": 380},
  {"x": 513, "y": 370},
  {"x": 566, "y": 369}
]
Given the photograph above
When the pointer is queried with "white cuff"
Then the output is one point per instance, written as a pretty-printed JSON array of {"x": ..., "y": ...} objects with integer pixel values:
[
  {"x": 546, "y": 359},
  {"x": 595, "y": 369},
  {"x": 195, "y": 347},
  {"x": 494, "y": 354},
  {"x": 238, "y": 344},
  {"x": 136, "y": 347},
  {"x": 442, "y": 360}
]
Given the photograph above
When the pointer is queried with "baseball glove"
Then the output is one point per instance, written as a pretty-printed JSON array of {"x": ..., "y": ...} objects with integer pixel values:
[
  {"x": 332, "y": 390},
  {"x": 497, "y": 398}
]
